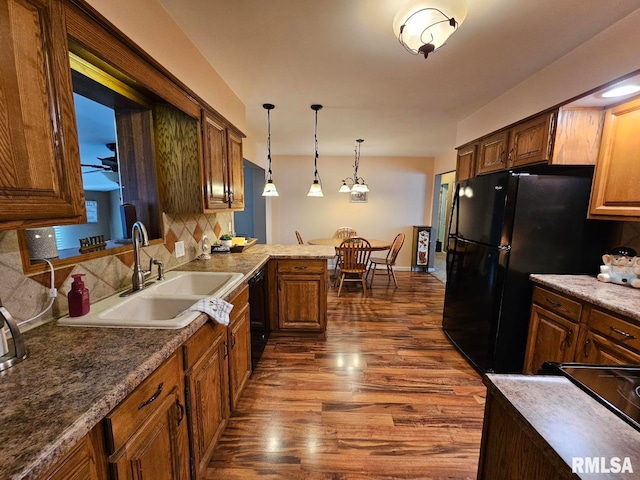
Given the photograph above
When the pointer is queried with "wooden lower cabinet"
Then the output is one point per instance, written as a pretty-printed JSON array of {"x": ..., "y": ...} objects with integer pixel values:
[
  {"x": 301, "y": 296},
  {"x": 239, "y": 341},
  {"x": 594, "y": 348},
  {"x": 147, "y": 433},
  {"x": 553, "y": 338},
  {"x": 206, "y": 381},
  {"x": 565, "y": 329},
  {"x": 85, "y": 461}
]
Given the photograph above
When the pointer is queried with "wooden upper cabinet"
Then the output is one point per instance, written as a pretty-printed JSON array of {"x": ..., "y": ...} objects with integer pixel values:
[
  {"x": 40, "y": 179},
  {"x": 492, "y": 154},
  {"x": 236, "y": 171},
  {"x": 222, "y": 165},
  {"x": 531, "y": 141},
  {"x": 466, "y": 162},
  {"x": 214, "y": 164},
  {"x": 615, "y": 193}
]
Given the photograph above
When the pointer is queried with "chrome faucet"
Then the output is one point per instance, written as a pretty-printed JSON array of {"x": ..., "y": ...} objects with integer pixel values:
[
  {"x": 20, "y": 352},
  {"x": 140, "y": 237}
]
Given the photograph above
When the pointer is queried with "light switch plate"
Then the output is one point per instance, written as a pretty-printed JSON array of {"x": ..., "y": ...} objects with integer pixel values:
[{"x": 179, "y": 249}]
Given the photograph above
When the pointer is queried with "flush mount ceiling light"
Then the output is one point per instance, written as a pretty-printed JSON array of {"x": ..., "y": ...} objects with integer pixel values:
[
  {"x": 621, "y": 91},
  {"x": 357, "y": 183},
  {"x": 423, "y": 26},
  {"x": 316, "y": 186},
  {"x": 269, "y": 187}
]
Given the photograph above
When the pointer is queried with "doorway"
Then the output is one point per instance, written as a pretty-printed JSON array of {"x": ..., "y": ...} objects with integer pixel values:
[
  {"x": 252, "y": 222},
  {"x": 444, "y": 186}
]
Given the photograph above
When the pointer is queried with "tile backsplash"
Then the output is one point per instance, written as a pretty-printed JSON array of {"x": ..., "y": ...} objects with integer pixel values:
[{"x": 26, "y": 296}]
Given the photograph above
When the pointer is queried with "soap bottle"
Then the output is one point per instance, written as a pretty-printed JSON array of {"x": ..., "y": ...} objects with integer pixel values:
[{"x": 78, "y": 297}]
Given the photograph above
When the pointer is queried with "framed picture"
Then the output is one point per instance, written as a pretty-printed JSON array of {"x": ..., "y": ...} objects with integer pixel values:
[
  {"x": 92, "y": 211},
  {"x": 358, "y": 197}
]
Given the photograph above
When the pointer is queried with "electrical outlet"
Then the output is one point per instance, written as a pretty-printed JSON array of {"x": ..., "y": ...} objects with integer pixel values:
[{"x": 179, "y": 249}]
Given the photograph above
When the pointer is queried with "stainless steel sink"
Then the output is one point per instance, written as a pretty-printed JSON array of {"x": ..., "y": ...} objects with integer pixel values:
[{"x": 163, "y": 304}]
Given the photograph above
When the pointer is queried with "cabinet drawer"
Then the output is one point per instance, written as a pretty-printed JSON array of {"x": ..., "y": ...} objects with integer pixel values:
[
  {"x": 558, "y": 304},
  {"x": 127, "y": 417},
  {"x": 616, "y": 329},
  {"x": 297, "y": 266},
  {"x": 201, "y": 341}
]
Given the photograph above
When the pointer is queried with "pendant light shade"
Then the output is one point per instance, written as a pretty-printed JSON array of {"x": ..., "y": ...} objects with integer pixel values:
[
  {"x": 316, "y": 186},
  {"x": 269, "y": 187}
]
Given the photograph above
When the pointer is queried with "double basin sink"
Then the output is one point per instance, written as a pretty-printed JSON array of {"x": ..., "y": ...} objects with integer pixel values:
[{"x": 161, "y": 304}]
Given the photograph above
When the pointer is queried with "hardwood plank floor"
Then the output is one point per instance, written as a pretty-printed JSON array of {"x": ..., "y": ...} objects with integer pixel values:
[{"x": 384, "y": 396}]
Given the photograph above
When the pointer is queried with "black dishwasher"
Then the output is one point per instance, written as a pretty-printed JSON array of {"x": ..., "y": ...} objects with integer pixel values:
[{"x": 259, "y": 314}]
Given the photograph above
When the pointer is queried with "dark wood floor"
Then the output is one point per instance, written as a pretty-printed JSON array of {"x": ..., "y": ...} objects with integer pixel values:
[{"x": 384, "y": 396}]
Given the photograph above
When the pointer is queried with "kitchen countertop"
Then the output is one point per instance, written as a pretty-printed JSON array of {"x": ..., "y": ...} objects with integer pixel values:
[
  {"x": 75, "y": 376},
  {"x": 616, "y": 298},
  {"x": 571, "y": 422}
]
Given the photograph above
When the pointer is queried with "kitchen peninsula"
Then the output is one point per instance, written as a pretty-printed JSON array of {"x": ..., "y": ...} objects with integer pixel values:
[{"x": 74, "y": 377}]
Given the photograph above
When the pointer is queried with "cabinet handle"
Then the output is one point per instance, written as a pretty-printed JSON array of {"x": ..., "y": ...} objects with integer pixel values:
[
  {"x": 569, "y": 338},
  {"x": 553, "y": 303},
  {"x": 301, "y": 267},
  {"x": 180, "y": 411},
  {"x": 233, "y": 341},
  {"x": 152, "y": 397},
  {"x": 231, "y": 196},
  {"x": 226, "y": 349},
  {"x": 626, "y": 335},
  {"x": 586, "y": 348}
]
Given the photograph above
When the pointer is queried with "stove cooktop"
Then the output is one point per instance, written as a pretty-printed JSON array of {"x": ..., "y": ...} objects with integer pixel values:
[{"x": 617, "y": 387}]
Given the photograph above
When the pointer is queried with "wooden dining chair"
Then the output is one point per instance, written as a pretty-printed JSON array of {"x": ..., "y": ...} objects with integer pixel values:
[
  {"x": 353, "y": 260},
  {"x": 345, "y": 232},
  {"x": 299, "y": 237},
  {"x": 389, "y": 261}
]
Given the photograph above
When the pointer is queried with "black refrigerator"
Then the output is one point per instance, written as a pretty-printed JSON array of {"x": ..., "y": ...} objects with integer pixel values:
[{"x": 503, "y": 227}]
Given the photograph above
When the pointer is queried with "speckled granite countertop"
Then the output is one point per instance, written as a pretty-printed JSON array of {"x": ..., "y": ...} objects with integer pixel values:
[
  {"x": 74, "y": 376},
  {"x": 571, "y": 422},
  {"x": 616, "y": 298}
]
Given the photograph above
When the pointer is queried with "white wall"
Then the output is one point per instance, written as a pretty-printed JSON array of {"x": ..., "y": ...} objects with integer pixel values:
[
  {"x": 400, "y": 197},
  {"x": 607, "y": 56}
]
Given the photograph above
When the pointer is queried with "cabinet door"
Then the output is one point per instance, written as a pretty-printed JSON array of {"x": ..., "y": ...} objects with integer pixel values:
[
  {"x": 214, "y": 168},
  {"x": 551, "y": 338},
  {"x": 86, "y": 461},
  {"x": 40, "y": 179},
  {"x": 531, "y": 141},
  {"x": 615, "y": 190},
  {"x": 207, "y": 396},
  {"x": 492, "y": 155},
  {"x": 302, "y": 302},
  {"x": 594, "y": 348},
  {"x": 239, "y": 354},
  {"x": 236, "y": 171},
  {"x": 158, "y": 448},
  {"x": 466, "y": 162}
]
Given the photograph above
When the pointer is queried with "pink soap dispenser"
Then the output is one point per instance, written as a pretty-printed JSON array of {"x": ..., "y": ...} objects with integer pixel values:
[{"x": 78, "y": 297}]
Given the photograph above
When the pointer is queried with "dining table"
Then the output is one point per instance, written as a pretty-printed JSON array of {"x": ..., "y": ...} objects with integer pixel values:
[{"x": 376, "y": 245}]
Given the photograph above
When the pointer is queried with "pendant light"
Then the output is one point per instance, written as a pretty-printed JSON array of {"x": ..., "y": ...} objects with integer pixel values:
[
  {"x": 269, "y": 187},
  {"x": 316, "y": 186},
  {"x": 358, "y": 183}
]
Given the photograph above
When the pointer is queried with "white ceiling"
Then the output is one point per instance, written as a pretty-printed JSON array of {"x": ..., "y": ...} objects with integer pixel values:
[{"x": 343, "y": 55}]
